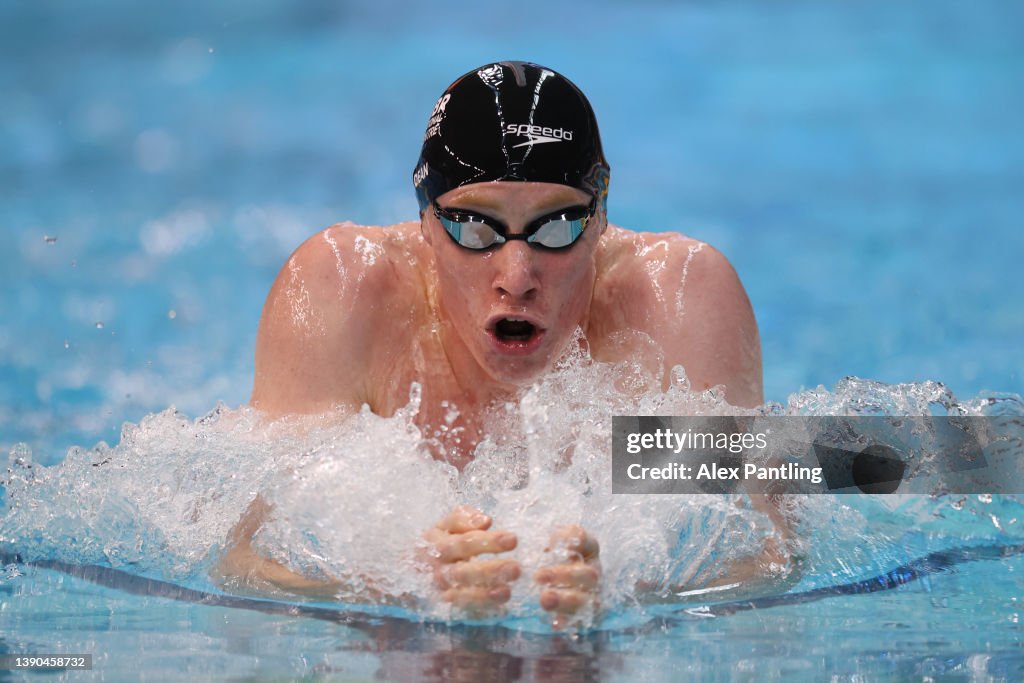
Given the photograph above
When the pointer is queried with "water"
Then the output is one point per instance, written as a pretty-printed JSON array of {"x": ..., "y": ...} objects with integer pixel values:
[
  {"x": 945, "y": 629},
  {"x": 858, "y": 165},
  {"x": 161, "y": 502}
]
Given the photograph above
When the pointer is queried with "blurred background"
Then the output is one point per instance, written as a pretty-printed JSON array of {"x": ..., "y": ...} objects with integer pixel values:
[{"x": 861, "y": 164}]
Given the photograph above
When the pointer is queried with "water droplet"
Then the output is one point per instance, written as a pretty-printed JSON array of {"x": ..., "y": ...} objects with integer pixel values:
[
  {"x": 67, "y": 344},
  {"x": 49, "y": 239},
  {"x": 9, "y": 573},
  {"x": 172, "y": 314},
  {"x": 99, "y": 325},
  {"x": 19, "y": 456},
  {"x": 211, "y": 50},
  {"x": 74, "y": 263}
]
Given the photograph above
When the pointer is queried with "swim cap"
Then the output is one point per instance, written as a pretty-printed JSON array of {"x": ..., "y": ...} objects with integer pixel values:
[{"x": 511, "y": 121}]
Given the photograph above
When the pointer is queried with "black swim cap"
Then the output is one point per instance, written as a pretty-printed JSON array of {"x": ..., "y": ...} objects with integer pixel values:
[{"x": 511, "y": 121}]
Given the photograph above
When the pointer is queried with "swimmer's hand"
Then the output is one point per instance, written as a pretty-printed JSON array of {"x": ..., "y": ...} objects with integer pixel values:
[
  {"x": 466, "y": 580},
  {"x": 571, "y": 586}
]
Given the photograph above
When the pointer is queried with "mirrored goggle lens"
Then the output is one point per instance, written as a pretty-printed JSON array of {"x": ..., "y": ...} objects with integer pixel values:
[
  {"x": 558, "y": 233},
  {"x": 471, "y": 233}
]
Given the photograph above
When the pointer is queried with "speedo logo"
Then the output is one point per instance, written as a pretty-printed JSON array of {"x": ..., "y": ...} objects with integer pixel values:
[{"x": 537, "y": 134}]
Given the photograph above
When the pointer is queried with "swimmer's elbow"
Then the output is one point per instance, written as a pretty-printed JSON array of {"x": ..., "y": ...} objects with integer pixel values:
[
  {"x": 241, "y": 568},
  {"x": 239, "y": 562},
  {"x": 236, "y": 568}
]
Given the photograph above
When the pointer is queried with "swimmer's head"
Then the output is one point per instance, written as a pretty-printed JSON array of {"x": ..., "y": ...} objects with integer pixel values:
[{"x": 511, "y": 121}]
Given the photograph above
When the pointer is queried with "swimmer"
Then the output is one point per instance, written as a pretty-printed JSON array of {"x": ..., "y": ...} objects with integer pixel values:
[{"x": 476, "y": 300}]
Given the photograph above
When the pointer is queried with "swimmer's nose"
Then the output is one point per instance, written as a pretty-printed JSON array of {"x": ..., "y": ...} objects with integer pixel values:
[{"x": 516, "y": 270}]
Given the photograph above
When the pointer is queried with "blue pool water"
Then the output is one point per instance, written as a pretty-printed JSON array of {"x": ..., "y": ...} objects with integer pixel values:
[{"x": 859, "y": 164}]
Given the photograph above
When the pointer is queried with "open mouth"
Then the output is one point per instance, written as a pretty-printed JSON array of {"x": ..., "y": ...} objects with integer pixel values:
[{"x": 514, "y": 330}]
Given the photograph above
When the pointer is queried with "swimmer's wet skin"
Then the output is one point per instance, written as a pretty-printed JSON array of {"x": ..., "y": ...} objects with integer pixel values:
[{"x": 511, "y": 265}]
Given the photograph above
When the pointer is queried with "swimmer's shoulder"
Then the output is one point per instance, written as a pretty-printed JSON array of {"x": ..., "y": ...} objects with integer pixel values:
[
  {"x": 349, "y": 261},
  {"x": 684, "y": 296},
  {"x": 331, "y": 316},
  {"x": 360, "y": 282},
  {"x": 644, "y": 268}
]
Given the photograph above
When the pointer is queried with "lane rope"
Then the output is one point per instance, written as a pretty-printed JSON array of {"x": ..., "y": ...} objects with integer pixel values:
[{"x": 933, "y": 563}]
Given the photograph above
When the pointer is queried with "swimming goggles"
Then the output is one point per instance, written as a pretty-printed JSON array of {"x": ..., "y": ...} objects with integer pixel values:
[{"x": 556, "y": 230}]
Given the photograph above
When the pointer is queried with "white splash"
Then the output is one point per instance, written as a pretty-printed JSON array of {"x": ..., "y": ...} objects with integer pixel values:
[{"x": 352, "y": 495}]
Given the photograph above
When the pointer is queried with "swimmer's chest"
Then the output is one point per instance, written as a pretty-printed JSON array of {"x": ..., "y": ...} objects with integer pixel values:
[{"x": 446, "y": 417}]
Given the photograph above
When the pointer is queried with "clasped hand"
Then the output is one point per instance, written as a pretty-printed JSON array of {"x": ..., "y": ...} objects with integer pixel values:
[{"x": 477, "y": 585}]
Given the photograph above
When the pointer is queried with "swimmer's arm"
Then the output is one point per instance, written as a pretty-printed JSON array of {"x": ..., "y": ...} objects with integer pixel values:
[
  {"x": 740, "y": 578},
  {"x": 314, "y": 343},
  {"x": 455, "y": 553},
  {"x": 771, "y": 566},
  {"x": 771, "y": 569},
  {"x": 706, "y": 324},
  {"x": 717, "y": 341},
  {"x": 243, "y": 569}
]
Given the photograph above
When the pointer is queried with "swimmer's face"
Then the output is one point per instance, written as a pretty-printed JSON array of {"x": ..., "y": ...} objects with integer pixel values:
[{"x": 513, "y": 307}]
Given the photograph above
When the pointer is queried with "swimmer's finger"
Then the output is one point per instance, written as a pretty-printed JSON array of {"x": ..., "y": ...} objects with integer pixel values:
[
  {"x": 576, "y": 539},
  {"x": 477, "y": 597},
  {"x": 463, "y": 519},
  {"x": 564, "y": 601},
  {"x": 459, "y": 547},
  {"x": 583, "y": 543},
  {"x": 576, "y": 575},
  {"x": 479, "y": 572}
]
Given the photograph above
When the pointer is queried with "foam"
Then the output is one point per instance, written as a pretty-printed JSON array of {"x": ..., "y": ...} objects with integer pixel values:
[{"x": 352, "y": 494}]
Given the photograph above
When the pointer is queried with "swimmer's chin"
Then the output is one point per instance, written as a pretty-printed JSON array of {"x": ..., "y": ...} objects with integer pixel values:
[{"x": 516, "y": 376}]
